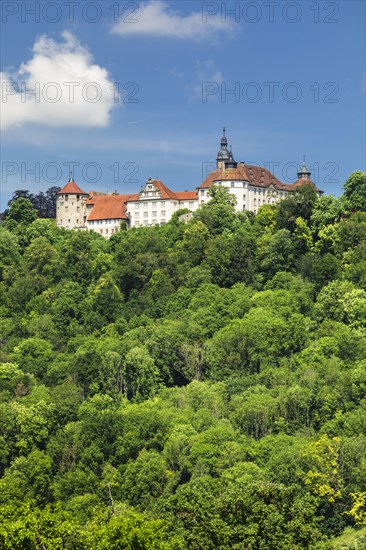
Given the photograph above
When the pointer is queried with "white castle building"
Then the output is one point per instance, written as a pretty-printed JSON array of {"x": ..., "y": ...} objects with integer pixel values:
[{"x": 155, "y": 204}]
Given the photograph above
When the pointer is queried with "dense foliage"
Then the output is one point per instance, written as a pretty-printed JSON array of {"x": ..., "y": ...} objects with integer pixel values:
[
  {"x": 43, "y": 202},
  {"x": 192, "y": 386}
]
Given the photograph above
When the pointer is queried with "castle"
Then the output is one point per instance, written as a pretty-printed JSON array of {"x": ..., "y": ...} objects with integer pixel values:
[{"x": 155, "y": 204}]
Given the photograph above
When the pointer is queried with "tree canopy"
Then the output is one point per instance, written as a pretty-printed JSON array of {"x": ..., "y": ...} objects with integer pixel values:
[{"x": 197, "y": 385}]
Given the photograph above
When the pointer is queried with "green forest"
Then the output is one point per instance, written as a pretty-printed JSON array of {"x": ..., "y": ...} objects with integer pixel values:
[{"x": 194, "y": 386}]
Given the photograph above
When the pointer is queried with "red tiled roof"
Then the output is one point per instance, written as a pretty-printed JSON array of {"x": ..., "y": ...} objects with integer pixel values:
[
  {"x": 300, "y": 182},
  {"x": 256, "y": 175},
  {"x": 261, "y": 177},
  {"x": 107, "y": 207},
  {"x": 239, "y": 173},
  {"x": 71, "y": 188},
  {"x": 187, "y": 195},
  {"x": 165, "y": 192}
]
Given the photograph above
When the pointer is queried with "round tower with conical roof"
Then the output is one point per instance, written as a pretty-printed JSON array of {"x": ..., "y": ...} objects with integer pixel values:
[{"x": 71, "y": 206}]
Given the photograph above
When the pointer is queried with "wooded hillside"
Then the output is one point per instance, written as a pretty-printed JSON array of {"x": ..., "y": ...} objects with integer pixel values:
[{"x": 194, "y": 386}]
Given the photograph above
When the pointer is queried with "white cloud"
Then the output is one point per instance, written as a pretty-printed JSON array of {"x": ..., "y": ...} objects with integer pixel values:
[
  {"x": 178, "y": 74},
  {"x": 209, "y": 79},
  {"x": 155, "y": 18},
  {"x": 71, "y": 90}
]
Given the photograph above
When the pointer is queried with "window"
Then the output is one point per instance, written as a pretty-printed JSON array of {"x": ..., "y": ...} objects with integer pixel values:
[
  {"x": 77, "y": 197},
  {"x": 69, "y": 221},
  {"x": 154, "y": 221},
  {"x": 106, "y": 231},
  {"x": 191, "y": 204},
  {"x": 78, "y": 209},
  {"x": 162, "y": 204},
  {"x": 154, "y": 213},
  {"x": 145, "y": 205},
  {"x": 154, "y": 204},
  {"x": 146, "y": 214},
  {"x": 66, "y": 197},
  {"x": 137, "y": 215},
  {"x": 232, "y": 184},
  {"x": 163, "y": 213},
  {"x": 202, "y": 192}
]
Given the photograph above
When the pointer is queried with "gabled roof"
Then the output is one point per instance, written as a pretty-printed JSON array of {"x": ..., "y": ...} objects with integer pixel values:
[
  {"x": 108, "y": 207},
  {"x": 166, "y": 193},
  {"x": 187, "y": 196},
  {"x": 71, "y": 188}
]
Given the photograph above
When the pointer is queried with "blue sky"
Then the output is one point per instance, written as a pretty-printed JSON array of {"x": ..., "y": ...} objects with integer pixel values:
[{"x": 152, "y": 91}]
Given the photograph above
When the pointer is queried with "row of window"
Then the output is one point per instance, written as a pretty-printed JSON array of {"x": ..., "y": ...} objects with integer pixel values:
[
  {"x": 154, "y": 213},
  {"x": 106, "y": 231},
  {"x": 146, "y": 204},
  {"x": 98, "y": 222},
  {"x": 66, "y": 197},
  {"x": 67, "y": 208}
]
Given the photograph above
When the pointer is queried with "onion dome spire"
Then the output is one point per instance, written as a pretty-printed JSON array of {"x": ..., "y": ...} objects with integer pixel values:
[{"x": 304, "y": 173}]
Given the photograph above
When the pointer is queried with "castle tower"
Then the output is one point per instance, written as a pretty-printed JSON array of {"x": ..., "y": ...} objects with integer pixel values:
[
  {"x": 304, "y": 173},
  {"x": 223, "y": 155},
  {"x": 70, "y": 206}
]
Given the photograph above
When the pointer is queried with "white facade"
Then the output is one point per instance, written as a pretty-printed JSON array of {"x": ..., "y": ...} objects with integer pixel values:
[
  {"x": 156, "y": 205},
  {"x": 106, "y": 228}
]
